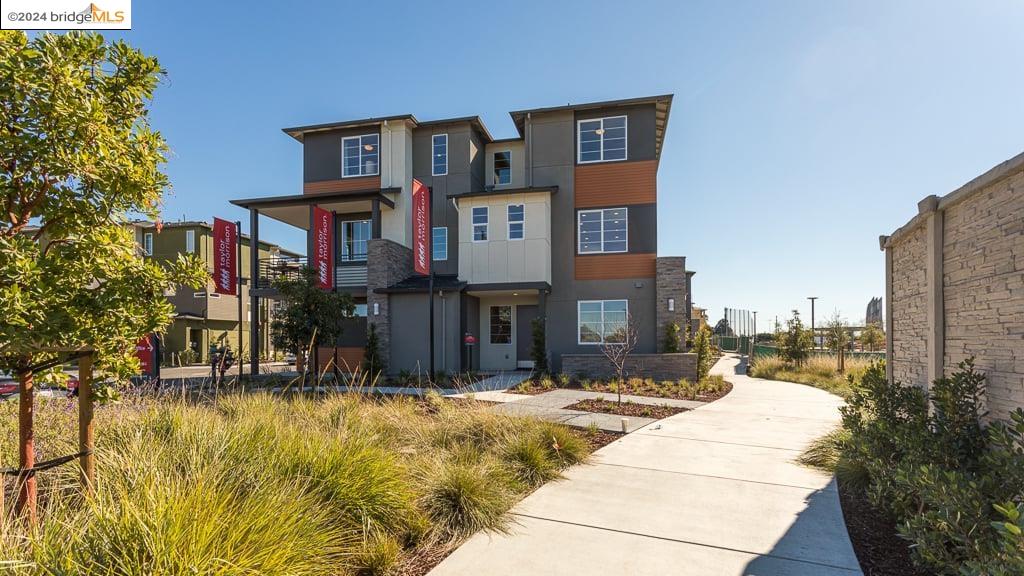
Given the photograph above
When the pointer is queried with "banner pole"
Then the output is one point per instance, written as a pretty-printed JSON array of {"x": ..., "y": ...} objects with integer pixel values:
[
  {"x": 430, "y": 282},
  {"x": 238, "y": 229}
]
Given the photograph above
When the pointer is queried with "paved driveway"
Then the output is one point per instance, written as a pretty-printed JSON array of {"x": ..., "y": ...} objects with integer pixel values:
[{"x": 710, "y": 491}]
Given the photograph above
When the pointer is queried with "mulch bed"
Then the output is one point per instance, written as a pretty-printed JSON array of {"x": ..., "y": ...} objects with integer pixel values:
[
  {"x": 626, "y": 408},
  {"x": 535, "y": 388},
  {"x": 879, "y": 548},
  {"x": 599, "y": 438}
]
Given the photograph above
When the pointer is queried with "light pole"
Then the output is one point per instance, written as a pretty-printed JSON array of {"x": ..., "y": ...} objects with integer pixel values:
[
  {"x": 755, "y": 326},
  {"x": 814, "y": 336}
]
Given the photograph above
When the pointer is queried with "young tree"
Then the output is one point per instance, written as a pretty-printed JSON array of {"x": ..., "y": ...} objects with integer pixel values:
[
  {"x": 872, "y": 337},
  {"x": 310, "y": 315},
  {"x": 373, "y": 364},
  {"x": 671, "y": 343},
  {"x": 539, "y": 346},
  {"x": 702, "y": 347},
  {"x": 79, "y": 159},
  {"x": 837, "y": 338},
  {"x": 617, "y": 347},
  {"x": 796, "y": 341}
]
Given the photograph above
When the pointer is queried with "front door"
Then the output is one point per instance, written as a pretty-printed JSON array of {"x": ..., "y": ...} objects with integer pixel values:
[
  {"x": 498, "y": 346},
  {"x": 525, "y": 315}
]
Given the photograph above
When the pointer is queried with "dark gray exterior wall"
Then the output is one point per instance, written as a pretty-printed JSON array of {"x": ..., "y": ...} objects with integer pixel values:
[
  {"x": 321, "y": 152},
  {"x": 409, "y": 347},
  {"x": 470, "y": 325},
  {"x": 551, "y": 161}
]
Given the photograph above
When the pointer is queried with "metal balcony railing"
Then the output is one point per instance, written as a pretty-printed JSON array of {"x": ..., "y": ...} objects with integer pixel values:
[{"x": 270, "y": 269}]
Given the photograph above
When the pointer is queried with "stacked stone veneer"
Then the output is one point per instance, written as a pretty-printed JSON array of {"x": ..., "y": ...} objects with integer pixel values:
[
  {"x": 656, "y": 366},
  {"x": 388, "y": 262},
  {"x": 671, "y": 282},
  {"x": 955, "y": 287}
]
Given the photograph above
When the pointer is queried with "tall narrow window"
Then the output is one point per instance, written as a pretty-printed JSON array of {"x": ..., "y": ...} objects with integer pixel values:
[
  {"x": 439, "y": 241},
  {"x": 190, "y": 241},
  {"x": 480, "y": 218},
  {"x": 360, "y": 155},
  {"x": 502, "y": 168},
  {"x": 602, "y": 231},
  {"x": 501, "y": 324},
  {"x": 355, "y": 234},
  {"x": 516, "y": 221},
  {"x": 440, "y": 155},
  {"x": 147, "y": 243},
  {"x": 601, "y": 321},
  {"x": 601, "y": 139}
]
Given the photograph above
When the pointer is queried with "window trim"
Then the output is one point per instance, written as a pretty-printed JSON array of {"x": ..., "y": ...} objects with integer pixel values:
[
  {"x": 511, "y": 325},
  {"x": 508, "y": 223},
  {"x": 445, "y": 173},
  {"x": 579, "y": 141},
  {"x": 579, "y": 236},
  {"x": 340, "y": 256},
  {"x": 579, "y": 306},
  {"x": 433, "y": 244},
  {"x": 360, "y": 138},
  {"x": 147, "y": 243},
  {"x": 486, "y": 225},
  {"x": 494, "y": 173},
  {"x": 190, "y": 241}
]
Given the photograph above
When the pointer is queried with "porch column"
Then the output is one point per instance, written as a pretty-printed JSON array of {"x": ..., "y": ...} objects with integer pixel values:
[
  {"x": 375, "y": 219},
  {"x": 254, "y": 299}
]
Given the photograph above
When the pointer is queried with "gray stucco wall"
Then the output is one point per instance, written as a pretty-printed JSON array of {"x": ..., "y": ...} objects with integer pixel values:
[
  {"x": 409, "y": 344},
  {"x": 640, "y": 127},
  {"x": 321, "y": 152}
]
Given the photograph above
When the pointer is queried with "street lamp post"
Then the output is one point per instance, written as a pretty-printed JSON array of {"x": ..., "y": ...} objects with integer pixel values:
[
  {"x": 755, "y": 326},
  {"x": 814, "y": 335}
]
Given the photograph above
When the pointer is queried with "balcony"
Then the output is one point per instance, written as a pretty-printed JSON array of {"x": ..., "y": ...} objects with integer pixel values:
[{"x": 349, "y": 275}]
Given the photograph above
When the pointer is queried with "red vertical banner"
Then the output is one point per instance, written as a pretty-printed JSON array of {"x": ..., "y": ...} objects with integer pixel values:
[
  {"x": 323, "y": 244},
  {"x": 146, "y": 353},
  {"x": 225, "y": 257},
  {"x": 420, "y": 227}
]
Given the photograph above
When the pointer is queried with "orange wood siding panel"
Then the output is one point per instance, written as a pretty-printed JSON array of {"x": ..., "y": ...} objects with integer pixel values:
[
  {"x": 608, "y": 266},
  {"x": 616, "y": 183},
  {"x": 341, "y": 185},
  {"x": 350, "y": 358}
]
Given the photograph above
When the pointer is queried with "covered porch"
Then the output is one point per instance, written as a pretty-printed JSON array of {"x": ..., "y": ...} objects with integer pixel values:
[{"x": 501, "y": 317}]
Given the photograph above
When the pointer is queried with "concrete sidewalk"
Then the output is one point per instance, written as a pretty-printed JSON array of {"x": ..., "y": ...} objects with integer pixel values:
[{"x": 710, "y": 491}]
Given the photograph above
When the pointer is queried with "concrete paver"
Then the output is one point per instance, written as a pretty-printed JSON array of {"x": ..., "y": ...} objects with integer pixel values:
[{"x": 710, "y": 491}]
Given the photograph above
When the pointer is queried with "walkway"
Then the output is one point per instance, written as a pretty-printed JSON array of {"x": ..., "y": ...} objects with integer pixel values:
[{"x": 710, "y": 491}]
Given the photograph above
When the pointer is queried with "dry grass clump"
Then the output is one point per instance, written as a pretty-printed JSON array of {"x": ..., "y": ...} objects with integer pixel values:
[
  {"x": 258, "y": 484},
  {"x": 817, "y": 371}
]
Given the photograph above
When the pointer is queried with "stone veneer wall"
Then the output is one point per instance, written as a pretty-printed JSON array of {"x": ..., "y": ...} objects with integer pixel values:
[
  {"x": 388, "y": 262},
  {"x": 656, "y": 366},
  {"x": 955, "y": 283},
  {"x": 670, "y": 282}
]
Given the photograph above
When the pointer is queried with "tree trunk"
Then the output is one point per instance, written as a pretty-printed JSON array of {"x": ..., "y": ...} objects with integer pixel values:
[{"x": 26, "y": 505}]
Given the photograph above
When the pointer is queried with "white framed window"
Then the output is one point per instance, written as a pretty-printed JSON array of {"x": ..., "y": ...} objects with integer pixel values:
[
  {"x": 480, "y": 221},
  {"x": 360, "y": 311},
  {"x": 501, "y": 324},
  {"x": 603, "y": 231},
  {"x": 439, "y": 243},
  {"x": 439, "y": 155},
  {"x": 502, "y": 167},
  {"x": 360, "y": 155},
  {"x": 516, "y": 221},
  {"x": 190, "y": 241},
  {"x": 147, "y": 243},
  {"x": 355, "y": 237},
  {"x": 601, "y": 321},
  {"x": 601, "y": 139}
]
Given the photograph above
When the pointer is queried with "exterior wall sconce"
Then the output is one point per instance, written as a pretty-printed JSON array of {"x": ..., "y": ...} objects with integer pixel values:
[
  {"x": 376, "y": 308},
  {"x": 671, "y": 304}
]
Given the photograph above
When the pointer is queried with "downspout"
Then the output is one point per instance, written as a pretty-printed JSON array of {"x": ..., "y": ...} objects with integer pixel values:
[{"x": 529, "y": 143}]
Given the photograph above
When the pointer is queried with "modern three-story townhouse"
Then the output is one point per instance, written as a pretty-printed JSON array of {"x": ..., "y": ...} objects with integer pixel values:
[{"x": 558, "y": 223}]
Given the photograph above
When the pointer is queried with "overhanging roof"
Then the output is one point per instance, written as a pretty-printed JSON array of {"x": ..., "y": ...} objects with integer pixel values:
[
  {"x": 505, "y": 192},
  {"x": 662, "y": 103},
  {"x": 294, "y": 209},
  {"x": 298, "y": 132}
]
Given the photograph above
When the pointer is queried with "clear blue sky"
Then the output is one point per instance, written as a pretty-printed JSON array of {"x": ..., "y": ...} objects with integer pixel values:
[{"x": 800, "y": 131}]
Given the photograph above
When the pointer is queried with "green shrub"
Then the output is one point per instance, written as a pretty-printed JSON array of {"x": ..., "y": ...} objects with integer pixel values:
[
  {"x": 671, "y": 340},
  {"x": 702, "y": 347},
  {"x": 539, "y": 346}
]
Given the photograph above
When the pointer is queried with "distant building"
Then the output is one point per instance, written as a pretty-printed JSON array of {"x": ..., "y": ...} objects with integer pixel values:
[{"x": 874, "y": 312}]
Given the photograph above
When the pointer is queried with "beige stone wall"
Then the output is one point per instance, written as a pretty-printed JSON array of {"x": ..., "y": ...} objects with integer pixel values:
[{"x": 975, "y": 305}]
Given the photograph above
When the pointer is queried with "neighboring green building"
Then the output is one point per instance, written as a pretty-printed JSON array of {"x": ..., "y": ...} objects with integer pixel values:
[{"x": 203, "y": 317}]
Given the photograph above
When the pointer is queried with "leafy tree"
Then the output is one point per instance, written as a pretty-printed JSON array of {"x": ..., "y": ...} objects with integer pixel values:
[
  {"x": 373, "y": 364},
  {"x": 872, "y": 337},
  {"x": 79, "y": 158},
  {"x": 702, "y": 347},
  {"x": 539, "y": 346},
  {"x": 310, "y": 315},
  {"x": 796, "y": 341},
  {"x": 671, "y": 338},
  {"x": 837, "y": 338}
]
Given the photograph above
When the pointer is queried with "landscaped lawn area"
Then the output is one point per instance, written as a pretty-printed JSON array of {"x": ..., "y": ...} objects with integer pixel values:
[
  {"x": 711, "y": 388},
  {"x": 817, "y": 371},
  {"x": 261, "y": 484}
]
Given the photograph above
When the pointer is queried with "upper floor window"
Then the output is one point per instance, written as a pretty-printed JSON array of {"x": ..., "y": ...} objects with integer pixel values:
[
  {"x": 439, "y": 243},
  {"x": 440, "y": 155},
  {"x": 602, "y": 139},
  {"x": 502, "y": 168},
  {"x": 355, "y": 235},
  {"x": 601, "y": 321},
  {"x": 190, "y": 241},
  {"x": 603, "y": 231},
  {"x": 480, "y": 219},
  {"x": 147, "y": 243},
  {"x": 360, "y": 155},
  {"x": 516, "y": 221}
]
